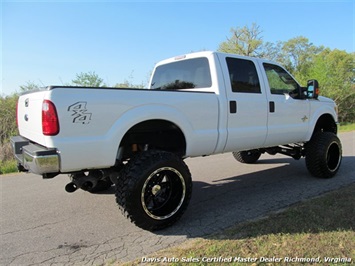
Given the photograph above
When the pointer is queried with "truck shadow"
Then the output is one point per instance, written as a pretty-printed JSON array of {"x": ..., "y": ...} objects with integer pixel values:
[{"x": 225, "y": 202}]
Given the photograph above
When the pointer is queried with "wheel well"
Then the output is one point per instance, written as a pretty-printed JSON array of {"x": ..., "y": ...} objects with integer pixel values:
[
  {"x": 325, "y": 123},
  {"x": 157, "y": 134}
]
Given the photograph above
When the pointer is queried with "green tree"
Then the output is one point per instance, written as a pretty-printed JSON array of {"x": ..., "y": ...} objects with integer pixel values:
[
  {"x": 335, "y": 71},
  {"x": 244, "y": 41},
  {"x": 297, "y": 55},
  {"x": 29, "y": 86},
  {"x": 127, "y": 84},
  {"x": 8, "y": 125},
  {"x": 294, "y": 54},
  {"x": 89, "y": 79}
]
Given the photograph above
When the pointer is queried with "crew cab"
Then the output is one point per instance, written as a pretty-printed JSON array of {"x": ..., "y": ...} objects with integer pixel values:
[{"x": 196, "y": 104}]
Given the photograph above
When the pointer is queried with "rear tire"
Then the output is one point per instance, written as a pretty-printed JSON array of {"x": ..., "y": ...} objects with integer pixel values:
[
  {"x": 154, "y": 189},
  {"x": 251, "y": 156},
  {"x": 323, "y": 155}
]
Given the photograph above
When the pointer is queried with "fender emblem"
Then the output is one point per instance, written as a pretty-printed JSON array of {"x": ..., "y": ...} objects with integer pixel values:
[
  {"x": 79, "y": 112},
  {"x": 304, "y": 119}
]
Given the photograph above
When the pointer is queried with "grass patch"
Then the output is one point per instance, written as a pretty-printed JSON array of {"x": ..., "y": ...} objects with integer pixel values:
[
  {"x": 317, "y": 229},
  {"x": 347, "y": 127},
  {"x": 8, "y": 167}
]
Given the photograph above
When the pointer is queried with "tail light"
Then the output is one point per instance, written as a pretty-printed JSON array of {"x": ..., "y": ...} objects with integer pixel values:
[{"x": 50, "y": 122}]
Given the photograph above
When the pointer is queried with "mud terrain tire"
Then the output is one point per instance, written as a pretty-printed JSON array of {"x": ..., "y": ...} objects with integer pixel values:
[
  {"x": 323, "y": 155},
  {"x": 154, "y": 189}
]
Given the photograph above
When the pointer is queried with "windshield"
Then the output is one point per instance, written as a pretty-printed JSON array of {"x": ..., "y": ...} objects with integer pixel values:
[{"x": 179, "y": 75}]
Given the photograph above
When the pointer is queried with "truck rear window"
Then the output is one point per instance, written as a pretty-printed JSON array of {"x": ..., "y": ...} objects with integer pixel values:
[{"x": 185, "y": 74}]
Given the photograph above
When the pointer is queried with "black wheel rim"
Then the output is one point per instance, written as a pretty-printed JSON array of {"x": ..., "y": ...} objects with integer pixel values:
[
  {"x": 163, "y": 193},
  {"x": 333, "y": 156}
]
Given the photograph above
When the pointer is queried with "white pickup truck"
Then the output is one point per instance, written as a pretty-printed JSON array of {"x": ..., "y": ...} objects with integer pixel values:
[{"x": 196, "y": 105}]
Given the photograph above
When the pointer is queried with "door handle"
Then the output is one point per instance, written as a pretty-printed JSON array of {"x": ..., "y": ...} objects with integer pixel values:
[
  {"x": 272, "y": 107},
  {"x": 232, "y": 107}
]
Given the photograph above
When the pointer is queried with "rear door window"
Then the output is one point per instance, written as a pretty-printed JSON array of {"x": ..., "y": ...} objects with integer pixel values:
[{"x": 243, "y": 75}]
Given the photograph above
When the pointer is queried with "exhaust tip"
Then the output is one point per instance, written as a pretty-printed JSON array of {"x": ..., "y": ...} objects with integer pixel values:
[
  {"x": 87, "y": 186},
  {"x": 71, "y": 187}
]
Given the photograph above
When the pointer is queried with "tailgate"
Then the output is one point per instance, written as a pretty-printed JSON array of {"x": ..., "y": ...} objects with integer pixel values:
[{"x": 29, "y": 116}]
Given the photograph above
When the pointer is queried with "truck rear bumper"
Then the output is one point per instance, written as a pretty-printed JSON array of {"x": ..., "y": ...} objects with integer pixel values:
[{"x": 35, "y": 158}]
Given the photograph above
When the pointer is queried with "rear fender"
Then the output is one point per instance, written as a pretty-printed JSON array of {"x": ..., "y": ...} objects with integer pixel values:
[{"x": 144, "y": 113}]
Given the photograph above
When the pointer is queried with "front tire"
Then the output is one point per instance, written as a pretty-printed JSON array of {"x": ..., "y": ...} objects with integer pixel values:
[
  {"x": 154, "y": 189},
  {"x": 323, "y": 155}
]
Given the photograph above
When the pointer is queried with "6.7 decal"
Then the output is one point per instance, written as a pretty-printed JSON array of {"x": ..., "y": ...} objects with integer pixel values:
[{"x": 79, "y": 113}]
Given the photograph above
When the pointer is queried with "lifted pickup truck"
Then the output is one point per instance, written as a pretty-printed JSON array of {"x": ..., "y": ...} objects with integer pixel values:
[{"x": 196, "y": 105}]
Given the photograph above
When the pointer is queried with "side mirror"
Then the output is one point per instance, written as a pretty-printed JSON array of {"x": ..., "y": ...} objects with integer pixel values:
[{"x": 312, "y": 89}]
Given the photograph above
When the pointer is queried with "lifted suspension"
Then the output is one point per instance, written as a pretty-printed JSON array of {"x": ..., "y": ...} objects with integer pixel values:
[{"x": 296, "y": 152}]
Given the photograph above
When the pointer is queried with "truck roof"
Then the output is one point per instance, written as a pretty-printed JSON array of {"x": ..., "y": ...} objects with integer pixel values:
[{"x": 209, "y": 53}]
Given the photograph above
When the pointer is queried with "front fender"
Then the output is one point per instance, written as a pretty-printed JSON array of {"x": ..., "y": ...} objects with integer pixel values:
[{"x": 320, "y": 109}]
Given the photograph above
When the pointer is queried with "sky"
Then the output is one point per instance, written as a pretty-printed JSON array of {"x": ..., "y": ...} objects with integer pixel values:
[{"x": 50, "y": 42}]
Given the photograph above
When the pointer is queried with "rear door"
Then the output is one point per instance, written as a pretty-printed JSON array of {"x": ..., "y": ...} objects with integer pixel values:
[{"x": 247, "y": 103}]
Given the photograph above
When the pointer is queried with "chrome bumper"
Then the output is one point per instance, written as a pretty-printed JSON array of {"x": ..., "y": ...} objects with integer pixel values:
[{"x": 34, "y": 158}]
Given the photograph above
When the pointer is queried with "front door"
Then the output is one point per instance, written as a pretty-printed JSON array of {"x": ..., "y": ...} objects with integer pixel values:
[{"x": 288, "y": 113}]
